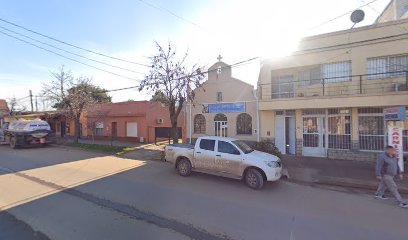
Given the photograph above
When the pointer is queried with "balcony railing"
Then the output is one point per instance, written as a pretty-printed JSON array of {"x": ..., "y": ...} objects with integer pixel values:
[{"x": 368, "y": 84}]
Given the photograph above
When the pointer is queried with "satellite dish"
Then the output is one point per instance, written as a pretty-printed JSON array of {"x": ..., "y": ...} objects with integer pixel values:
[{"x": 357, "y": 16}]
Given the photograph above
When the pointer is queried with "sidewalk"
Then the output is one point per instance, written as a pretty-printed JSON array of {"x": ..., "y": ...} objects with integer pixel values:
[
  {"x": 333, "y": 172},
  {"x": 141, "y": 151}
]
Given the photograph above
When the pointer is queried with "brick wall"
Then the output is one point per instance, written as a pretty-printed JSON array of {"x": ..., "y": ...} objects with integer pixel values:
[
  {"x": 354, "y": 155},
  {"x": 299, "y": 147}
]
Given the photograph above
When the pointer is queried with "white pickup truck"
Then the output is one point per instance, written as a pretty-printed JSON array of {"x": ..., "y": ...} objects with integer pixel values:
[{"x": 226, "y": 157}]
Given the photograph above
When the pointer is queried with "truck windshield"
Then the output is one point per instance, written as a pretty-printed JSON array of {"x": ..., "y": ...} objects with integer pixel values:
[{"x": 243, "y": 146}]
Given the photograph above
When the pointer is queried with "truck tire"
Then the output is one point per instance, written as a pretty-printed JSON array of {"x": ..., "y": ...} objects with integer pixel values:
[
  {"x": 184, "y": 167},
  {"x": 13, "y": 143},
  {"x": 254, "y": 179}
]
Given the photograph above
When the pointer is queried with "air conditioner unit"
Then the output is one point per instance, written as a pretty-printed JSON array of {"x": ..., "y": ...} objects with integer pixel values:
[{"x": 160, "y": 120}]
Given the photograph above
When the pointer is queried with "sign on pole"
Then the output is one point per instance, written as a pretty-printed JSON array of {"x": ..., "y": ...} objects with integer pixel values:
[{"x": 395, "y": 140}]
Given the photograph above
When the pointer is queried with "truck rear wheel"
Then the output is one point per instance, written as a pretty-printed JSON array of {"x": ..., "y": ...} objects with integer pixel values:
[
  {"x": 13, "y": 143},
  {"x": 184, "y": 167},
  {"x": 254, "y": 179}
]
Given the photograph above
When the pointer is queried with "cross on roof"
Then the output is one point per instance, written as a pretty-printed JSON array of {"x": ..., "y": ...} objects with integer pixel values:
[{"x": 219, "y": 58}]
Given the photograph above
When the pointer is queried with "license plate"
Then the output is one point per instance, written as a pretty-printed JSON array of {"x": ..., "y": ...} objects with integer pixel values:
[{"x": 42, "y": 140}]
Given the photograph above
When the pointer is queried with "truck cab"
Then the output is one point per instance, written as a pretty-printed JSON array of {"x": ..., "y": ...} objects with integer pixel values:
[{"x": 226, "y": 157}]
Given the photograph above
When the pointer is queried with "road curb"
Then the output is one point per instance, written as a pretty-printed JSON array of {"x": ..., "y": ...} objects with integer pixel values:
[{"x": 345, "y": 184}]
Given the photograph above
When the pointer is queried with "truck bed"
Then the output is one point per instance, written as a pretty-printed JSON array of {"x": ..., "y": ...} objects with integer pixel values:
[{"x": 188, "y": 146}]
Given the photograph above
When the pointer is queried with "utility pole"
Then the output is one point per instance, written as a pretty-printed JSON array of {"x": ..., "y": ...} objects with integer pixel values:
[
  {"x": 31, "y": 101},
  {"x": 36, "y": 104}
]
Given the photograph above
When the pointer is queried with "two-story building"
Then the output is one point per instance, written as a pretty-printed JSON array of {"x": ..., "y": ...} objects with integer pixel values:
[
  {"x": 327, "y": 98},
  {"x": 223, "y": 106}
]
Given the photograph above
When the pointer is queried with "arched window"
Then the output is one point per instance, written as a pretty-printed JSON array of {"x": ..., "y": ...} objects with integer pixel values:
[
  {"x": 220, "y": 117},
  {"x": 244, "y": 124},
  {"x": 199, "y": 123}
]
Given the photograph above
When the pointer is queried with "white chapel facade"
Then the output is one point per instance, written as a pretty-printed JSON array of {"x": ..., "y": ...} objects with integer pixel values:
[{"x": 223, "y": 106}]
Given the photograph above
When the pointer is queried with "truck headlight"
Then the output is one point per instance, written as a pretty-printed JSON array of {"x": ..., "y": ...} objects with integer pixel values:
[{"x": 272, "y": 164}]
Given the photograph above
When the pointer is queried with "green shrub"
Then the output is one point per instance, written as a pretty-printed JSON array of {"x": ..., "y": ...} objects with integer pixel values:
[
  {"x": 266, "y": 146},
  {"x": 99, "y": 147}
]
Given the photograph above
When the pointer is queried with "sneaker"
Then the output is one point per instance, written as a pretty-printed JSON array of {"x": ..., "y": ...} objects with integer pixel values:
[
  {"x": 380, "y": 197},
  {"x": 403, "y": 205}
]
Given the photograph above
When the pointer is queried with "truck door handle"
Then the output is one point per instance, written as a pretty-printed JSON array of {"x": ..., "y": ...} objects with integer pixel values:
[
  {"x": 198, "y": 152},
  {"x": 218, "y": 155}
]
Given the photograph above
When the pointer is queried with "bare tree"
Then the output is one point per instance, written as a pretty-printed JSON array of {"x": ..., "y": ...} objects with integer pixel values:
[
  {"x": 15, "y": 107},
  {"x": 73, "y": 95},
  {"x": 171, "y": 77},
  {"x": 79, "y": 97},
  {"x": 57, "y": 88}
]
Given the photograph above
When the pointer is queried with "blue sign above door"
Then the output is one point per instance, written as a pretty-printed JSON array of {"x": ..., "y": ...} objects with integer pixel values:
[
  {"x": 226, "y": 107},
  {"x": 395, "y": 114}
]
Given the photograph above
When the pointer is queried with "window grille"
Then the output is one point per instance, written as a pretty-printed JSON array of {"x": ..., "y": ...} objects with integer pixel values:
[
  {"x": 310, "y": 76},
  {"x": 219, "y": 96},
  {"x": 371, "y": 129},
  {"x": 387, "y": 66},
  {"x": 244, "y": 124},
  {"x": 339, "y": 128},
  {"x": 336, "y": 72},
  {"x": 283, "y": 86},
  {"x": 314, "y": 112},
  {"x": 199, "y": 124},
  {"x": 99, "y": 129}
]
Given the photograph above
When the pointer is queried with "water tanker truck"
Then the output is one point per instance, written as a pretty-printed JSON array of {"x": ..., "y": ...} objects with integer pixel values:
[{"x": 21, "y": 133}]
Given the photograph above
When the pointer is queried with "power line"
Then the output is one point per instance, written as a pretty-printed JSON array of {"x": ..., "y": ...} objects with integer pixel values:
[
  {"x": 63, "y": 56},
  {"x": 71, "y": 45},
  {"x": 360, "y": 43},
  {"x": 237, "y": 64},
  {"x": 69, "y": 52},
  {"x": 342, "y": 15},
  {"x": 160, "y": 8}
]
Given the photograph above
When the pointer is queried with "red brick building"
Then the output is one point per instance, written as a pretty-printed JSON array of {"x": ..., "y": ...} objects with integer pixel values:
[{"x": 139, "y": 121}]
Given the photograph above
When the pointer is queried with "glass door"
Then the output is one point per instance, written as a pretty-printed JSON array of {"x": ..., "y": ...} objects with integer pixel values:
[{"x": 221, "y": 128}]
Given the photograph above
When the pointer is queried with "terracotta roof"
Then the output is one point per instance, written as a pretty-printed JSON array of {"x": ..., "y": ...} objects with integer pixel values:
[{"x": 3, "y": 105}]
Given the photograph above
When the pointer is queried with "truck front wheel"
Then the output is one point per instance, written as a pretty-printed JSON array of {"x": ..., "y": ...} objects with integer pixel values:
[
  {"x": 184, "y": 167},
  {"x": 13, "y": 142},
  {"x": 253, "y": 179}
]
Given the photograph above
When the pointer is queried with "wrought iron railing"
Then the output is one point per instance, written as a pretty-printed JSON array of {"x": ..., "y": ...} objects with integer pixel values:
[{"x": 367, "y": 84}]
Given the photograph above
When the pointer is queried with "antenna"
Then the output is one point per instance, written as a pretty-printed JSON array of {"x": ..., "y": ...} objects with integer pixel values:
[{"x": 357, "y": 16}]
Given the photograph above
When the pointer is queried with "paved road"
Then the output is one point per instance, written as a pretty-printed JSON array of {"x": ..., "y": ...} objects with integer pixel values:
[{"x": 62, "y": 193}]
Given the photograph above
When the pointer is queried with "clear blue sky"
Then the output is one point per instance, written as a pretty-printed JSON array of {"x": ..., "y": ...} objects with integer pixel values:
[{"x": 128, "y": 28}]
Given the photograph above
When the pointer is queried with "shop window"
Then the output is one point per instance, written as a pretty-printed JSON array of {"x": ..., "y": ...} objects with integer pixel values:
[
  {"x": 311, "y": 133},
  {"x": 199, "y": 124},
  {"x": 244, "y": 124},
  {"x": 339, "y": 129},
  {"x": 371, "y": 129}
]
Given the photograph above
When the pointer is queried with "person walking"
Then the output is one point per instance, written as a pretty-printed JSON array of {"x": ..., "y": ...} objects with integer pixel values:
[{"x": 386, "y": 170}]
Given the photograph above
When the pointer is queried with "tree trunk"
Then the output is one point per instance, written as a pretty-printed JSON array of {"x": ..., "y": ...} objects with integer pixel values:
[
  {"x": 77, "y": 129},
  {"x": 174, "y": 129}
]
